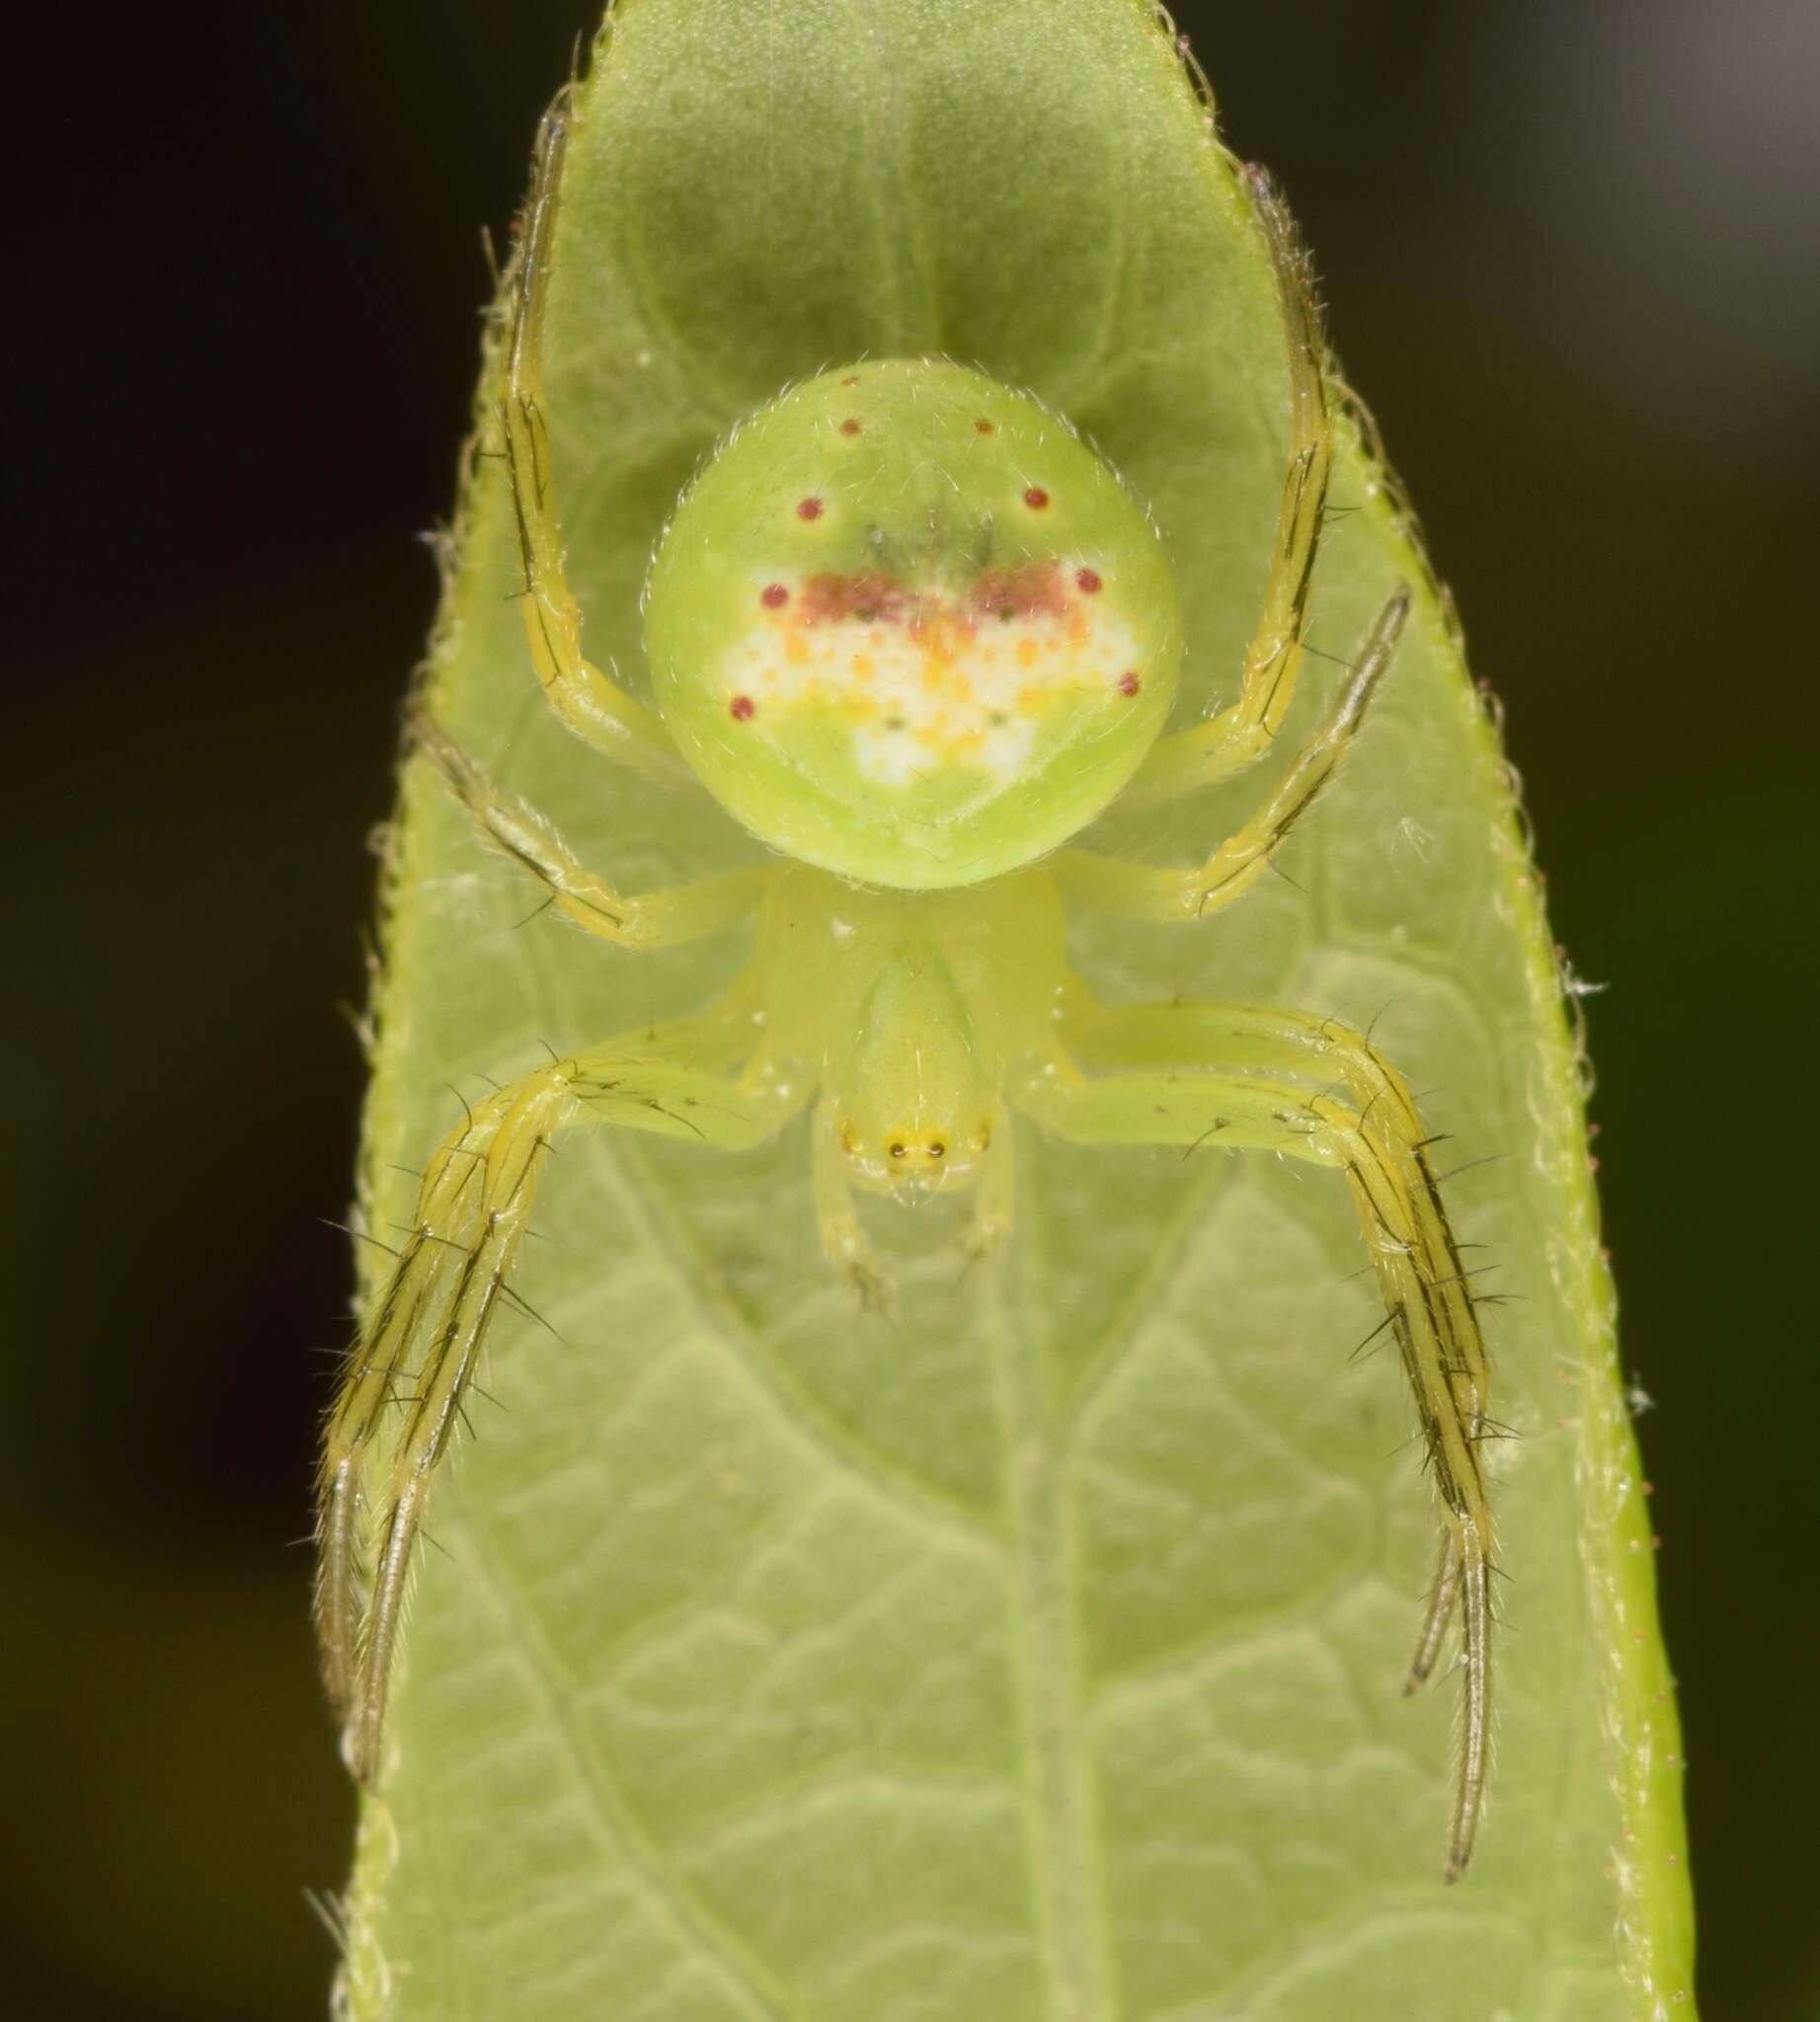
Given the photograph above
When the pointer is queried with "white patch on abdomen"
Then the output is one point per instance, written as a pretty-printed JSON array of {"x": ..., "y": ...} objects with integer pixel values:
[{"x": 925, "y": 682}]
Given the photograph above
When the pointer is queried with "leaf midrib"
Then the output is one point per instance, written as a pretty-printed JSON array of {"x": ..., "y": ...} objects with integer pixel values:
[{"x": 1045, "y": 1633}]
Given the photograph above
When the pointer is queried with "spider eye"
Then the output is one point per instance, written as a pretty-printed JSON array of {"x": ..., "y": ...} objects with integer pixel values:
[
  {"x": 896, "y": 1150},
  {"x": 937, "y": 1148}
]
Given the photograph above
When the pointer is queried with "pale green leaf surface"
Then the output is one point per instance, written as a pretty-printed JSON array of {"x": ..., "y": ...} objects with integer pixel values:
[{"x": 1036, "y": 1656}]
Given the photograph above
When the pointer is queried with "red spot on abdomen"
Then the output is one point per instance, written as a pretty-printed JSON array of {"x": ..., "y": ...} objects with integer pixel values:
[
  {"x": 1087, "y": 579},
  {"x": 809, "y": 508},
  {"x": 742, "y": 707},
  {"x": 773, "y": 596},
  {"x": 1036, "y": 498},
  {"x": 1128, "y": 684}
]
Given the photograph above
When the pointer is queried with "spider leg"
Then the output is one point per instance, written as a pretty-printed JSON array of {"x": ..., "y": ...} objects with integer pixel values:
[
  {"x": 409, "y": 1371},
  {"x": 848, "y": 1248},
  {"x": 1116, "y": 885},
  {"x": 994, "y": 1207},
  {"x": 1228, "y": 1094},
  {"x": 590, "y": 702},
  {"x": 1443, "y": 1600},
  {"x": 1239, "y": 735},
  {"x": 648, "y": 919}
]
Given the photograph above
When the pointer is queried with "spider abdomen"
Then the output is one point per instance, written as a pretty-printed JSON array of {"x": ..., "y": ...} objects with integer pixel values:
[{"x": 906, "y": 626}]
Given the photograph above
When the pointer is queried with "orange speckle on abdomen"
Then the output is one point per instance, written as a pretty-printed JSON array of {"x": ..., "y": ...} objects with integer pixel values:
[{"x": 924, "y": 676}]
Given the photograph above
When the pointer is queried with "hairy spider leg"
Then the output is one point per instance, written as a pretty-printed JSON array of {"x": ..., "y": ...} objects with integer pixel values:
[
  {"x": 704, "y": 1078},
  {"x": 1443, "y": 1600},
  {"x": 592, "y": 705},
  {"x": 1116, "y": 885},
  {"x": 648, "y": 919},
  {"x": 848, "y": 1248},
  {"x": 1237, "y": 737},
  {"x": 1376, "y": 1139},
  {"x": 430, "y": 1322}
]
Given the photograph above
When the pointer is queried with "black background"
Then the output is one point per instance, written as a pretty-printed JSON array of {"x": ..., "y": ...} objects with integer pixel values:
[{"x": 1569, "y": 247}]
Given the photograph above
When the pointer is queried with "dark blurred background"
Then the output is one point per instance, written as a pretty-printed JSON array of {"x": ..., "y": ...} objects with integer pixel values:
[{"x": 1570, "y": 250}]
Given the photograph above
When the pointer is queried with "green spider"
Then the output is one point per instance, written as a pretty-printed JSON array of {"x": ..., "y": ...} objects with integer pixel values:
[{"x": 913, "y": 634}]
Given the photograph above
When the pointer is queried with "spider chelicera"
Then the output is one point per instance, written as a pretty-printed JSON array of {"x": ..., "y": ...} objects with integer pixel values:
[{"x": 913, "y": 634}]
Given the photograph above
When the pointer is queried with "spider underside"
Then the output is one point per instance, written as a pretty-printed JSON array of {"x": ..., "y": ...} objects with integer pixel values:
[{"x": 912, "y": 1026}]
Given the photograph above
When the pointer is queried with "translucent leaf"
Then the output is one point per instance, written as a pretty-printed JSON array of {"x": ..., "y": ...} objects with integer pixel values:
[{"x": 1038, "y": 1655}]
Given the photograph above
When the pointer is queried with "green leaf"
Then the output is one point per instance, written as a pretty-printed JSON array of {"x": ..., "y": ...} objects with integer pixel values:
[{"x": 1039, "y": 1654}]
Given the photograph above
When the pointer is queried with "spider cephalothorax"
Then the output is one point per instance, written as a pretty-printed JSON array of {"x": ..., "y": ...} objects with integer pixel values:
[{"x": 915, "y": 634}]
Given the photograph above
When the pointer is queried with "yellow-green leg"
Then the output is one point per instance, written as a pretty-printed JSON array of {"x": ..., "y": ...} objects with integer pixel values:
[
  {"x": 1116, "y": 885},
  {"x": 995, "y": 1204},
  {"x": 848, "y": 1248},
  {"x": 419, "y": 1351},
  {"x": 590, "y": 702},
  {"x": 1239, "y": 735},
  {"x": 650, "y": 919},
  {"x": 1227, "y": 1095}
]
